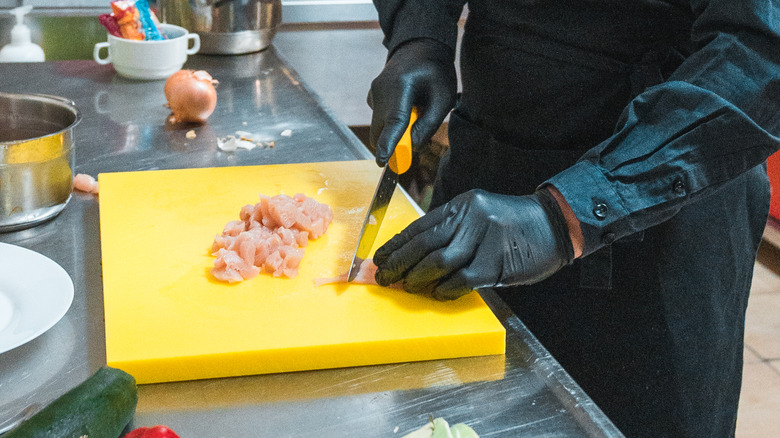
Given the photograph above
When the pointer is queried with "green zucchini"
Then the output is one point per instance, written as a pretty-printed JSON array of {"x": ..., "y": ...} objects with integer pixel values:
[{"x": 100, "y": 407}]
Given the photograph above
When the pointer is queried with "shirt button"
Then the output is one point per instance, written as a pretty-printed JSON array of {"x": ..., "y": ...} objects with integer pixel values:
[
  {"x": 600, "y": 210},
  {"x": 678, "y": 187},
  {"x": 608, "y": 238}
]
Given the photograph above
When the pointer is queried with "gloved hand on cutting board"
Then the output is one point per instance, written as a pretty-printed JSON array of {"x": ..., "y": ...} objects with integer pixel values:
[
  {"x": 479, "y": 239},
  {"x": 419, "y": 73}
]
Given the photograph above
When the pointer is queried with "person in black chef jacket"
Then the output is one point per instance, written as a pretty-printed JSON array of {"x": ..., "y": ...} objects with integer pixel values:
[{"x": 607, "y": 171}]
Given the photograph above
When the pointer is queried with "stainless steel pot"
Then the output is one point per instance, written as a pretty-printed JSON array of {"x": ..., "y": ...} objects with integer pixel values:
[
  {"x": 226, "y": 27},
  {"x": 36, "y": 158}
]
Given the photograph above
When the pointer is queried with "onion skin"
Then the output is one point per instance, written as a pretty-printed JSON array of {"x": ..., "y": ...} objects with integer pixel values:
[{"x": 191, "y": 95}]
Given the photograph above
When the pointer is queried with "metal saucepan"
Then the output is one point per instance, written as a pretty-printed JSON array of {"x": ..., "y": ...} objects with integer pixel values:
[
  {"x": 226, "y": 27},
  {"x": 36, "y": 158}
]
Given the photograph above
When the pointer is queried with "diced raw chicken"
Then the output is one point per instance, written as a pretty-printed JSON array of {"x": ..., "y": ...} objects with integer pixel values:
[
  {"x": 287, "y": 236},
  {"x": 230, "y": 267},
  {"x": 233, "y": 228},
  {"x": 247, "y": 212},
  {"x": 269, "y": 237},
  {"x": 222, "y": 241},
  {"x": 283, "y": 213},
  {"x": 302, "y": 238},
  {"x": 273, "y": 264}
]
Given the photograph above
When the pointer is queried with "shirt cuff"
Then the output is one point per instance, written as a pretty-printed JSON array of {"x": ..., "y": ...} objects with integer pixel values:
[
  {"x": 598, "y": 206},
  {"x": 414, "y": 22}
]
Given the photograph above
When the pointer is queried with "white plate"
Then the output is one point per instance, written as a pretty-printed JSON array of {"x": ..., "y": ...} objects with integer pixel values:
[{"x": 35, "y": 293}]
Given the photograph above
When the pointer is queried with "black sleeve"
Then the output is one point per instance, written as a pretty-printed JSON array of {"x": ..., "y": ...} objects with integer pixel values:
[
  {"x": 717, "y": 117},
  {"x": 404, "y": 20}
]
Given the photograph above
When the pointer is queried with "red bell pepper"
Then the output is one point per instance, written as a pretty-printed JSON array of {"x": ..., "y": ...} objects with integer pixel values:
[{"x": 152, "y": 432}]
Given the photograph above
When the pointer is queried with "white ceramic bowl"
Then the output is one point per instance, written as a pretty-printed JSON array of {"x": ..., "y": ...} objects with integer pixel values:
[{"x": 149, "y": 60}]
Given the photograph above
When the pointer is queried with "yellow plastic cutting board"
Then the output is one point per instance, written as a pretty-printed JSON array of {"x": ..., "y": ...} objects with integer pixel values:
[{"x": 168, "y": 319}]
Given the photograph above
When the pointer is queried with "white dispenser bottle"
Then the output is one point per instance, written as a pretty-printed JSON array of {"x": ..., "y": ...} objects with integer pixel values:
[{"x": 21, "y": 49}]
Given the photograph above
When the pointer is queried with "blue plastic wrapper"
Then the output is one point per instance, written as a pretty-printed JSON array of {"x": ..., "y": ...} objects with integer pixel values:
[{"x": 150, "y": 28}]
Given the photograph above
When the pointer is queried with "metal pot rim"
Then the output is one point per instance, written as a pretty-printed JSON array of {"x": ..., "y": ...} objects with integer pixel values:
[{"x": 62, "y": 102}]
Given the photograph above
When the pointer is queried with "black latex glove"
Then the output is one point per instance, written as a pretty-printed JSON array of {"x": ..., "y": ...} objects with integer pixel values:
[
  {"x": 479, "y": 239},
  {"x": 419, "y": 73}
]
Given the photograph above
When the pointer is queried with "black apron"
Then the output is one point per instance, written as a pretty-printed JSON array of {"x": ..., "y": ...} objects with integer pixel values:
[{"x": 652, "y": 326}]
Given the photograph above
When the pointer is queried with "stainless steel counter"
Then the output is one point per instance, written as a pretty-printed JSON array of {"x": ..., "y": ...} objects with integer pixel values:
[{"x": 523, "y": 393}]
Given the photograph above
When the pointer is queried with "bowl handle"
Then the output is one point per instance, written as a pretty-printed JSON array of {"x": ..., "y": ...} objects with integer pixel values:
[
  {"x": 195, "y": 43},
  {"x": 96, "y": 53}
]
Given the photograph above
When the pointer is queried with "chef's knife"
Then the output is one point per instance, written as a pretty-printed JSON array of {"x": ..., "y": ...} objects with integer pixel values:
[{"x": 399, "y": 163}]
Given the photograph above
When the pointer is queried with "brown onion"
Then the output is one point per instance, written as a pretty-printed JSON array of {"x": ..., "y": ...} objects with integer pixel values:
[{"x": 191, "y": 95}]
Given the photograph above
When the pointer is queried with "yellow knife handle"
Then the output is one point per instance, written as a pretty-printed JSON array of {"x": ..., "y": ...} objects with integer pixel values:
[{"x": 401, "y": 160}]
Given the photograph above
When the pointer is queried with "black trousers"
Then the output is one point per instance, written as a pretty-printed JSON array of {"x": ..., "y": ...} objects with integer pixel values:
[{"x": 652, "y": 326}]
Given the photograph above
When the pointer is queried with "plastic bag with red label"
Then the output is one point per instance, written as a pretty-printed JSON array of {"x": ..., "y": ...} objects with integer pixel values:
[
  {"x": 128, "y": 18},
  {"x": 131, "y": 19}
]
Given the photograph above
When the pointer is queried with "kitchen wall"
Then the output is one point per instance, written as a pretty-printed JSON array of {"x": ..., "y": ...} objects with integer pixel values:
[
  {"x": 71, "y": 27},
  {"x": 293, "y": 11}
]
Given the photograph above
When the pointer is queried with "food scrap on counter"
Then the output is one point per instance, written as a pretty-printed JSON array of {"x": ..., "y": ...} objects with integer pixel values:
[
  {"x": 133, "y": 20},
  {"x": 243, "y": 140},
  {"x": 269, "y": 237},
  {"x": 190, "y": 134},
  {"x": 85, "y": 183}
]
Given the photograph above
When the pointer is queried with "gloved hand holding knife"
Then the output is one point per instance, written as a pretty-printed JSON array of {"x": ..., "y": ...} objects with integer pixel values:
[
  {"x": 478, "y": 239},
  {"x": 420, "y": 73}
]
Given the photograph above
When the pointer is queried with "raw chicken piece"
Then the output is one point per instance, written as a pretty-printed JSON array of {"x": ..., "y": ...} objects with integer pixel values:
[
  {"x": 365, "y": 275},
  {"x": 85, "y": 183},
  {"x": 269, "y": 237}
]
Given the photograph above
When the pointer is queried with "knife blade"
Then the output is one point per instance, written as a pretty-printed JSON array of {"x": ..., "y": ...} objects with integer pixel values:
[{"x": 399, "y": 163}]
